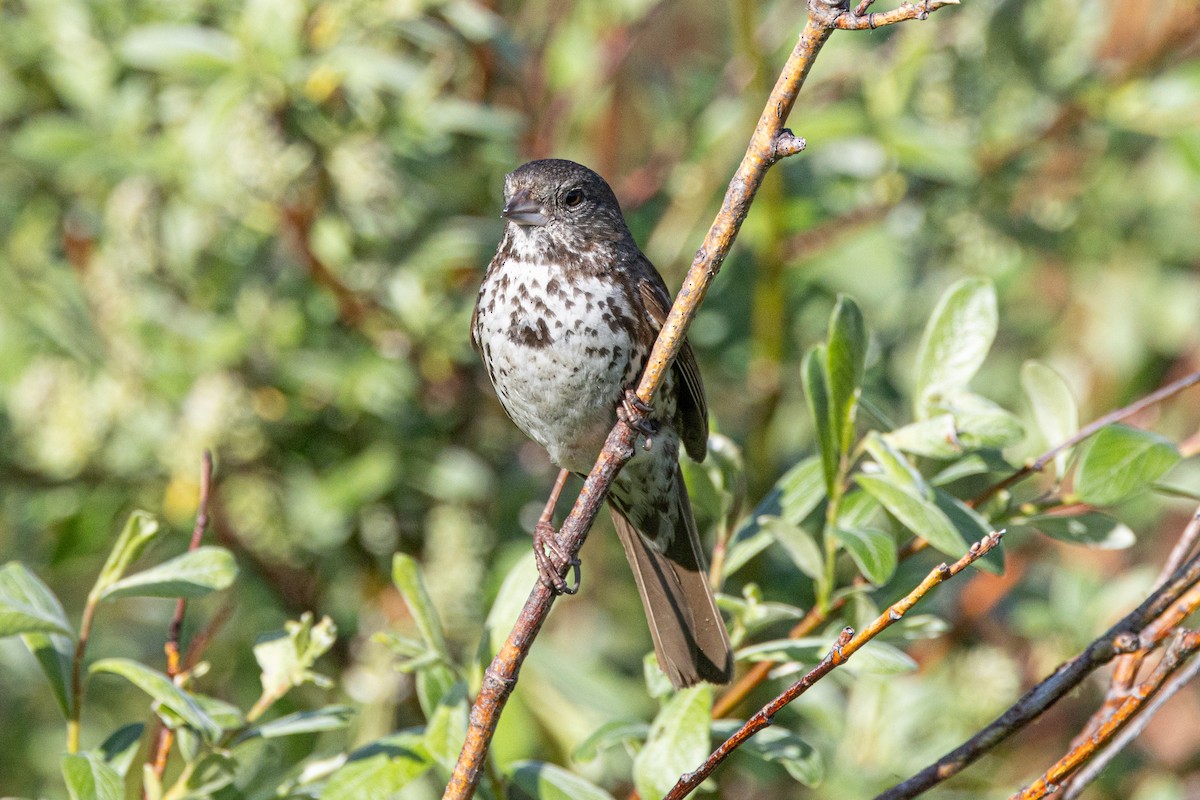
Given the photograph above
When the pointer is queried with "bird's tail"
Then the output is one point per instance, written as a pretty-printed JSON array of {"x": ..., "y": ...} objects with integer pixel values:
[{"x": 689, "y": 635}]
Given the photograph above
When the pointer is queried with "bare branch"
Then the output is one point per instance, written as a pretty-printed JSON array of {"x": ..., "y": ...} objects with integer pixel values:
[
  {"x": 847, "y": 645},
  {"x": 1183, "y": 648},
  {"x": 1120, "y": 638}
]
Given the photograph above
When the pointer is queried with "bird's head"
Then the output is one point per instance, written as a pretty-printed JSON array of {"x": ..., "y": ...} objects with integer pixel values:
[{"x": 563, "y": 202}]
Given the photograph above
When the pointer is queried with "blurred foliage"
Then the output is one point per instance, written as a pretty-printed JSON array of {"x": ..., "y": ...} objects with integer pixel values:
[{"x": 258, "y": 227}]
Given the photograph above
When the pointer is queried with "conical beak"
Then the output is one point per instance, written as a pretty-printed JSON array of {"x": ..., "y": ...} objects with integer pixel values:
[{"x": 522, "y": 210}]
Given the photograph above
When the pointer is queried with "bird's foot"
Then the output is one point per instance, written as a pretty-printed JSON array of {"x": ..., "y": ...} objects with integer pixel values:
[
  {"x": 635, "y": 413},
  {"x": 552, "y": 560}
]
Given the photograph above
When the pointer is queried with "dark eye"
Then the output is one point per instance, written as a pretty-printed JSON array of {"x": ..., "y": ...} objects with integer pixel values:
[{"x": 573, "y": 198}]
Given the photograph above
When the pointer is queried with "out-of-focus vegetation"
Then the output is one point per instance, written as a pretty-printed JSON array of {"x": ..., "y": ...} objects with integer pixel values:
[{"x": 258, "y": 228}]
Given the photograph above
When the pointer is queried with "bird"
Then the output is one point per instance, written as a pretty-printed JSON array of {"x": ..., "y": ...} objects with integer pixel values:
[{"x": 566, "y": 315}]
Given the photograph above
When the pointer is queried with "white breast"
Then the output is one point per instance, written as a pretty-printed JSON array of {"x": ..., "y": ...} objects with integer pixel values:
[{"x": 558, "y": 364}]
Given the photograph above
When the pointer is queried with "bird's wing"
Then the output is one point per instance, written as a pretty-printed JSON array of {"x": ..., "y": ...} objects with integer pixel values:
[{"x": 693, "y": 408}]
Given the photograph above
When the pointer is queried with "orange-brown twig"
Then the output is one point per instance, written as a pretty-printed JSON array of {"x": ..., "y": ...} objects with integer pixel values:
[
  {"x": 1182, "y": 648},
  {"x": 165, "y": 736},
  {"x": 847, "y": 645},
  {"x": 1122, "y": 637}
]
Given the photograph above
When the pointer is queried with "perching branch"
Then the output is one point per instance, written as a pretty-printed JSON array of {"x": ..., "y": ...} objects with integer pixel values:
[
  {"x": 1177, "y": 655},
  {"x": 847, "y": 645},
  {"x": 1123, "y": 637},
  {"x": 770, "y": 142}
]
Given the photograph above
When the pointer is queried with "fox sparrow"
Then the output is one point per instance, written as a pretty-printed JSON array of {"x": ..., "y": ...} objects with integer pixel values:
[{"x": 566, "y": 316}]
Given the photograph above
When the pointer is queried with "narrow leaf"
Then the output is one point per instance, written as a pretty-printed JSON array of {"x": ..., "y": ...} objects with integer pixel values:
[
  {"x": 192, "y": 574},
  {"x": 322, "y": 719},
  {"x": 381, "y": 769},
  {"x": 1092, "y": 529},
  {"x": 816, "y": 392},
  {"x": 894, "y": 465},
  {"x": 778, "y": 745},
  {"x": 801, "y": 489},
  {"x": 17, "y": 618},
  {"x": 163, "y": 690},
  {"x": 1119, "y": 461},
  {"x": 935, "y": 437},
  {"x": 609, "y": 735},
  {"x": 847, "y": 355},
  {"x": 956, "y": 341},
  {"x": 121, "y": 746},
  {"x": 140, "y": 529},
  {"x": 798, "y": 543},
  {"x": 447, "y": 728},
  {"x": 880, "y": 658},
  {"x": 89, "y": 778},
  {"x": 979, "y": 422},
  {"x": 406, "y": 575},
  {"x": 919, "y": 515},
  {"x": 1053, "y": 405},
  {"x": 53, "y": 651},
  {"x": 678, "y": 741},
  {"x": 537, "y": 780},
  {"x": 874, "y": 552}
]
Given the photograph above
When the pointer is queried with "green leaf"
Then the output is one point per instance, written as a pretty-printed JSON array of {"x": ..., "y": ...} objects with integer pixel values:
[
  {"x": 678, "y": 741},
  {"x": 874, "y": 552},
  {"x": 609, "y": 735},
  {"x": 973, "y": 527},
  {"x": 17, "y": 618},
  {"x": 89, "y": 778},
  {"x": 980, "y": 422},
  {"x": 140, "y": 529},
  {"x": 956, "y": 341},
  {"x": 163, "y": 690},
  {"x": 657, "y": 683},
  {"x": 537, "y": 780},
  {"x": 801, "y": 489},
  {"x": 192, "y": 574},
  {"x": 1091, "y": 528},
  {"x": 186, "y": 50},
  {"x": 514, "y": 591},
  {"x": 447, "y": 727},
  {"x": 919, "y": 515},
  {"x": 847, "y": 355},
  {"x": 779, "y": 746},
  {"x": 1053, "y": 406},
  {"x": 406, "y": 575},
  {"x": 286, "y": 657},
  {"x": 816, "y": 392},
  {"x": 935, "y": 437},
  {"x": 880, "y": 658},
  {"x": 894, "y": 465},
  {"x": 433, "y": 682},
  {"x": 381, "y": 769},
  {"x": 1120, "y": 460},
  {"x": 798, "y": 543},
  {"x": 329, "y": 718},
  {"x": 121, "y": 746},
  {"x": 53, "y": 651},
  {"x": 807, "y": 650},
  {"x": 745, "y": 546}
]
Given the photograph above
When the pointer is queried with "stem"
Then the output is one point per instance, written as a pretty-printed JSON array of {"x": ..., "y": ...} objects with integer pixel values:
[{"x": 85, "y": 631}]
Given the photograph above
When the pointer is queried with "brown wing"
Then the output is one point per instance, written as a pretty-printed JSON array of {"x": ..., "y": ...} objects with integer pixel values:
[{"x": 693, "y": 409}]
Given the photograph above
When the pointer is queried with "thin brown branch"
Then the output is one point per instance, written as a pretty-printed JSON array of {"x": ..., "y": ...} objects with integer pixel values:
[
  {"x": 1041, "y": 462},
  {"x": 165, "y": 736},
  {"x": 1123, "y": 637},
  {"x": 1181, "y": 650},
  {"x": 847, "y": 645},
  {"x": 1092, "y": 769},
  {"x": 770, "y": 142}
]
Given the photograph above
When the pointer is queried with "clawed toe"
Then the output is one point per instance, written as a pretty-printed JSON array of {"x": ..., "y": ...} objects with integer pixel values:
[
  {"x": 552, "y": 561},
  {"x": 633, "y": 411}
]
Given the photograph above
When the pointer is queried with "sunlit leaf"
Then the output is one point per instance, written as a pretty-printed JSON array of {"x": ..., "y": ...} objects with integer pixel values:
[
  {"x": 406, "y": 575},
  {"x": 381, "y": 769},
  {"x": 447, "y": 727},
  {"x": 537, "y": 780},
  {"x": 89, "y": 778},
  {"x": 140, "y": 529},
  {"x": 53, "y": 651},
  {"x": 609, "y": 735},
  {"x": 1053, "y": 406},
  {"x": 1120, "y": 460},
  {"x": 192, "y": 574},
  {"x": 322, "y": 719},
  {"x": 779, "y": 746},
  {"x": 816, "y": 392},
  {"x": 874, "y": 552},
  {"x": 921, "y": 516},
  {"x": 163, "y": 690},
  {"x": 956, "y": 341},
  {"x": 1091, "y": 528},
  {"x": 847, "y": 354},
  {"x": 286, "y": 657},
  {"x": 798, "y": 543},
  {"x": 678, "y": 741}
]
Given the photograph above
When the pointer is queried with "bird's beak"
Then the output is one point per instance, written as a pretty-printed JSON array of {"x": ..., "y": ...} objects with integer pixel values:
[{"x": 523, "y": 210}]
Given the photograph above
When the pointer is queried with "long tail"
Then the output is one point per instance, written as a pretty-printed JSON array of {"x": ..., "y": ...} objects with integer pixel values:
[{"x": 689, "y": 636}]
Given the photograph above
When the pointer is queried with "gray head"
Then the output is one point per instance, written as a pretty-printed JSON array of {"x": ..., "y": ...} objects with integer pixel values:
[{"x": 564, "y": 202}]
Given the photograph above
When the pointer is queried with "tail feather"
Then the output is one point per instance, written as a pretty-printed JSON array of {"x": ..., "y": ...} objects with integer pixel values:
[{"x": 689, "y": 635}]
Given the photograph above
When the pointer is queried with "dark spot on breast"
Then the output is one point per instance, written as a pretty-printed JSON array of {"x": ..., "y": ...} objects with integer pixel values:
[
  {"x": 552, "y": 287},
  {"x": 536, "y": 336}
]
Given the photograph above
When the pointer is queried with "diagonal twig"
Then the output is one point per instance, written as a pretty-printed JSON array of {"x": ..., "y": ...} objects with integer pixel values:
[
  {"x": 1123, "y": 637},
  {"x": 1177, "y": 655},
  {"x": 847, "y": 645}
]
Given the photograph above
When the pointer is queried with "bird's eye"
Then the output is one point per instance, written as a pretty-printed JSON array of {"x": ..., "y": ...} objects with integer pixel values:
[{"x": 573, "y": 198}]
